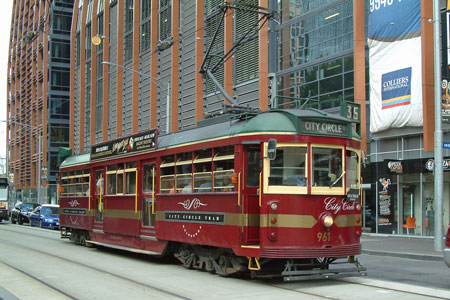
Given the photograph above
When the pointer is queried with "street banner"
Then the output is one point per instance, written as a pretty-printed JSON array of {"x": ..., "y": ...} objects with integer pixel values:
[{"x": 395, "y": 60}]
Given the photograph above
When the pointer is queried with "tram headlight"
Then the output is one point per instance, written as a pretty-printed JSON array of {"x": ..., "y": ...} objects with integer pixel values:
[
  {"x": 358, "y": 206},
  {"x": 274, "y": 206},
  {"x": 328, "y": 221}
]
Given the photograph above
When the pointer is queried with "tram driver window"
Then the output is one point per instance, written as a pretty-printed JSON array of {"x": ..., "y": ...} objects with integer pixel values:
[
  {"x": 327, "y": 167},
  {"x": 289, "y": 166}
]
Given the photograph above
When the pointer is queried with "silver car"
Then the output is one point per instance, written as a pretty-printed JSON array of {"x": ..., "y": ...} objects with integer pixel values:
[{"x": 447, "y": 247}]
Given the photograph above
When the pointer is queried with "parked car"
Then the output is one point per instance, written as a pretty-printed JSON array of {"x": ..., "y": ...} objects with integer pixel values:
[
  {"x": 20, "y": 212},
  {"x": 447, "y": 247},
  {"x": 45, "y": 216}
]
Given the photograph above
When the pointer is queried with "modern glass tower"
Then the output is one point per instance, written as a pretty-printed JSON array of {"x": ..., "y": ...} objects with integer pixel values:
[{"x": 38, "y": 95}]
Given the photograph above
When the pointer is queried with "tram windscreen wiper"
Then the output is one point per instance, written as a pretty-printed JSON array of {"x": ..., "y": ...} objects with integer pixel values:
[{"x": 339, "y": 178}]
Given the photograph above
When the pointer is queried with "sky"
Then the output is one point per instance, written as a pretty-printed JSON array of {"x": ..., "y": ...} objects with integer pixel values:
[{"x": 5, "y": 26}]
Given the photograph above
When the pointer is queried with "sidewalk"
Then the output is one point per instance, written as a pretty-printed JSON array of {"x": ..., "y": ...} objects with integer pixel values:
[{"x": 400, "y": 246}]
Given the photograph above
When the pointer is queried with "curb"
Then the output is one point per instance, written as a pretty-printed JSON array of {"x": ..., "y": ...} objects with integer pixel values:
[{"x": 405, "y": 255}]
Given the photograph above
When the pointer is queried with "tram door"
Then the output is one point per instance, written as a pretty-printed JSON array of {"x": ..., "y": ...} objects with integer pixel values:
[
  {"x": 252, "y": 169},
  {"x": 148, "y": 193},
  {"x": 99, "y": 188}
]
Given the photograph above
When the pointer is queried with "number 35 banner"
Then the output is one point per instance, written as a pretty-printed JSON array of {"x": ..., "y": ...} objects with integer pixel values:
[{"x": 395, "y": 60}]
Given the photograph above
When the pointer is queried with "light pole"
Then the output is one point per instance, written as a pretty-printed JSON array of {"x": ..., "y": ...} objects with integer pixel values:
[
  {"x": 438, "y": 145},
  {"x": 39, "y": 153},
  {"x": 155, "y": 81}
]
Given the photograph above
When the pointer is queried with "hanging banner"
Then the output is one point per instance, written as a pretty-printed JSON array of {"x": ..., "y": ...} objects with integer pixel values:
[{"x": 395, "y": 60}]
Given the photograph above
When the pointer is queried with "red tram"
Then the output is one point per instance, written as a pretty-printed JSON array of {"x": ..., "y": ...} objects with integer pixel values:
[{"x": 274, "y": 192}]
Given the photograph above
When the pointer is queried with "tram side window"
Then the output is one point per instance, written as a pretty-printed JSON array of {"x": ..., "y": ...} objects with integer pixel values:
[
  {"x": 253, "y": 166},
  {"x": 327, "y": 167},
  {"x": 120, "y": 172},
  {"x": 130, "y": 178},
  {"x": 223, "y": 169},
  {"x": 147, "y": 184},
  {"x": 289, "y": 167},
  {"x": 184, "y": 172},
  {"x": 167, "y": 179},
  {"x": 111, "y": 182},
  {"x": 65, "y": 184},
  {"x": 202, "y": 170},
  {"x": 85, "y": 182}
]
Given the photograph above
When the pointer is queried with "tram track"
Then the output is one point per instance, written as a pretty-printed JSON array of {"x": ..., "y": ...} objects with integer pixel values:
[
  {"x": 103, "y": 272},
  {"x": 310, "y": 289}
]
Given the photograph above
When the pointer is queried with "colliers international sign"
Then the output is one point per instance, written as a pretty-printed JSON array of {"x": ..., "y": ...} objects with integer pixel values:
[{"x": 138, "y": 142}]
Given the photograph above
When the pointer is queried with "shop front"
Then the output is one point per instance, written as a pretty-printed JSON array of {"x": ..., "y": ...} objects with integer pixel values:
[{"x": 401, "y": 198}]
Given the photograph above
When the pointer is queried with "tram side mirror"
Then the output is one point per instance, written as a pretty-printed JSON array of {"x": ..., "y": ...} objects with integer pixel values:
[{"x": 272, "y": 149}]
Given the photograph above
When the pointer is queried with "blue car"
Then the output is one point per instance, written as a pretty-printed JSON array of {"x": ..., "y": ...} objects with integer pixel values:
[{"x": 45, "y": 216}]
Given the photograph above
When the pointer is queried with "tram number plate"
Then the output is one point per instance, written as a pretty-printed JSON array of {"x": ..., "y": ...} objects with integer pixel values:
[{"x": 323, "y": 237}]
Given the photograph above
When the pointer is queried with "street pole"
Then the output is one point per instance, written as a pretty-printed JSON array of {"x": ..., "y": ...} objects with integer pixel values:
[{"x": 438, "y": 168}]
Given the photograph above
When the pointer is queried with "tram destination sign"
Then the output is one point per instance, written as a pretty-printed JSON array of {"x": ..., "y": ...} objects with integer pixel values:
[
  {"x": 137, "y": 142},
  {"x": 321, "y": 127}
]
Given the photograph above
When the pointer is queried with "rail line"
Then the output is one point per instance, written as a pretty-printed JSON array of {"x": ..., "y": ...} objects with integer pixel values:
[
  {"x": 166, "y": 292},
  {"x": 179, "y": 296}
]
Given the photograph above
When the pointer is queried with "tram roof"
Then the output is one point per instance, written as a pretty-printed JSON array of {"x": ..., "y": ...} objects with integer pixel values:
[{"x": 285, "y": 120}]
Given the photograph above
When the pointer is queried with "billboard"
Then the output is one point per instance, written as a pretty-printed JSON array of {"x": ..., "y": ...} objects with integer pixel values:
[{"x": 395, "y": 64}]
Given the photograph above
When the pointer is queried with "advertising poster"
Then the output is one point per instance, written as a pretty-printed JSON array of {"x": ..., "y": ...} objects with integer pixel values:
[
  {"x": 395, "y": 60},
  {"x": 445, "y": 110},
  {"x": 385, "y": 206}
]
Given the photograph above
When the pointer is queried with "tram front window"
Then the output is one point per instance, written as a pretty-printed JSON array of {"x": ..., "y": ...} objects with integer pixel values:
[
  {"x": 327, "y": 168},
  {"x": 352, "y": 170},
  {"x": 289, "y": 166}
]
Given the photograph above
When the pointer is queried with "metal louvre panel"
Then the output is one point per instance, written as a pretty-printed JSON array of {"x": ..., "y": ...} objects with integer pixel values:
[
  {"x": 112, "y": 74},
  {"x": 186, "y": 103},
  {"x": 247, "y": 56}
]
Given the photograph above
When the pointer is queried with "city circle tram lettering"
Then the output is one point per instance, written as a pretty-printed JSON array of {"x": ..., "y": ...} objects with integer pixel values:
[
  {"x": 313, "y": 127},
  {"x": 195, "y": 217},
  {"x": 74, "y": 211}
]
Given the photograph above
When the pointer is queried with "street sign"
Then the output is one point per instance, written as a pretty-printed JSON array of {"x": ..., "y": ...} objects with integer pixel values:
[{"x": 447, "y": 145}]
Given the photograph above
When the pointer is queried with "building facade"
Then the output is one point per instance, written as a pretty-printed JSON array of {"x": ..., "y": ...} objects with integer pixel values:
[
  {"x": 400, "y": 195},
  {"x": 142, "y": 64},
  {"x": 38, "y": 96}
]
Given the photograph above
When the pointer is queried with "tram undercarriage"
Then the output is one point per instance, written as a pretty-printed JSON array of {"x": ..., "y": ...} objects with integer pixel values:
[{"x": 225, "y": 263}]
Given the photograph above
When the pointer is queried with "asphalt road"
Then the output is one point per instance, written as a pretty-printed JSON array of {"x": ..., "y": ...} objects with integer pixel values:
[
  {"x": 424, "y": 273},
  {"x": 36, "y": 263}
]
